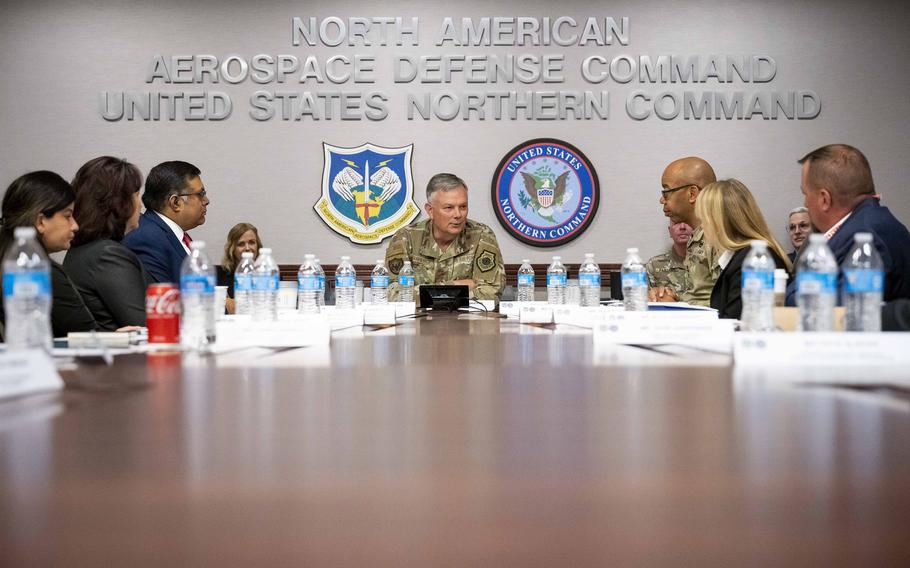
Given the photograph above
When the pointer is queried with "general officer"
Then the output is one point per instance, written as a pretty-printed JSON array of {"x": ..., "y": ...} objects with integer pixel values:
[{"x": 448, "y": 248}]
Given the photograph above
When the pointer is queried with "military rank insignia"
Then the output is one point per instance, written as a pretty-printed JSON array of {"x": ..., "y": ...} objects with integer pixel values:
[
  {"x": 367, "y": 191},
  {"x": 545, "y": 192}
]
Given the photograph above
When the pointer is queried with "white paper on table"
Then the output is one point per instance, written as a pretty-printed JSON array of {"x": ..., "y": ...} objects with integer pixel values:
[{"x": 26, "y": 372}]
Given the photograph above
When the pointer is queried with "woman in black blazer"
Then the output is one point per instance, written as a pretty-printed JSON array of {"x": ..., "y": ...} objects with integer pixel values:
[
  {"x": 44, "y": 200},
  {"x": 109, "y": 276},
  {"x": 732, "y": 220}
]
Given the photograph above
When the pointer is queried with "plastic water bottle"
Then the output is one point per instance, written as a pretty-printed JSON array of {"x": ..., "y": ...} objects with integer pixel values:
[
  {"x": 265, "y": 287},
  {"x": 864, "y": 284},
  {"x": 379, "y": 283},
  {"x": 406, "y": 282},
  {"x": 556, "y": 282},
  {"x": 197, "y": 299},
  {"x": 345, "y": 283},
  {"x": 27, "y": 293},
  {"x": 757, "y": 289},
  {"x": 321, "y": 296},
  {"x": 589, "y": 281},
  {"x": 526, "y": 281},
  {"x": 634, "y": 283},
  {"x": 243, "y": 285},
  {"x": 816, "y": 286},
  {"x": 308, "y": 286}
]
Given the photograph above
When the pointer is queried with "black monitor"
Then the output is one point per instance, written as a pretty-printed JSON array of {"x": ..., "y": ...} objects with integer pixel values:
[{"x": 443, "y": 297}]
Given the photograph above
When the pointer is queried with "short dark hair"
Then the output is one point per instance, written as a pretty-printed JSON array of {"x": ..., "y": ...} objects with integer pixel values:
[
  {"x": 444, "y": 182},
  {"x": 104, "y": 198},
  {"x": 165, "y": 179},
  {"x": 35, "y": 193},
  {"x": 842, "y": 169}
]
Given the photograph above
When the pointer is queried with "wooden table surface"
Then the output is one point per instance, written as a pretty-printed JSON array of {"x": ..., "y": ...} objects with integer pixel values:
[{"x": 450, "y": 441}]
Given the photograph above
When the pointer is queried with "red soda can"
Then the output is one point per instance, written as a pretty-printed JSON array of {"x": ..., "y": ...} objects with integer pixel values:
[{"x": 162, "y": 313}]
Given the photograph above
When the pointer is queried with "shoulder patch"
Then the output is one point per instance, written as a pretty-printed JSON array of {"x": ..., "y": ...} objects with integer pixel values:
[
  {"x": 486, "y": 261},
  {"x": 395, "y": 265}
]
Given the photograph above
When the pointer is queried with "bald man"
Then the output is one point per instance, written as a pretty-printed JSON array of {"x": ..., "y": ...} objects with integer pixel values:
[{"x": 681, "y": 181}]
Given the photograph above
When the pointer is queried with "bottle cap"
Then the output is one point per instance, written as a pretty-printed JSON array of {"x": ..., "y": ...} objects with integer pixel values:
[
  {"x": 816, "y": 238},
  {"x": 246, "y": 254},
  {"x": 589, "y": 255},
  {"x": 344, "y": 258},
  {"x": 862, "y": 237},
  {"x": 759, "y": 244},
  {"x": 633, "y": 250},
  {"x": 557, "y": 258},
  {"x": 199, "y": 245},
  {"x": 380, "y": 261},
  {"x": 24, "y": 232},
  {"x": 265, "y": 250},
  {"x": 525, "y": 261},
  {"x": 308, "y": 257}
]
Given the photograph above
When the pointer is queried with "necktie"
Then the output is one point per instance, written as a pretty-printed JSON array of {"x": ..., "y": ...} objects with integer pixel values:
[{"x": 186, "y": 239}]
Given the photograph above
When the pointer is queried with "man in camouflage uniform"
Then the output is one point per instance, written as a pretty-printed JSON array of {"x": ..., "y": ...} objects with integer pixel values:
[
  {"x": 668, "y": 269},
  {"x": 681, "y": 181},
  {"x": 448, "y": 248}
]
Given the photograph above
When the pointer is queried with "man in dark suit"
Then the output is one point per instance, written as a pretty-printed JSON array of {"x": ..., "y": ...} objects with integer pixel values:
[
  {"x": 175, "y": 202},
  {"x": 840, "y": 195}
]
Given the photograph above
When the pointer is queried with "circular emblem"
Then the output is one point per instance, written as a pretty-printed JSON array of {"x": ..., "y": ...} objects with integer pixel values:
[{"x": 545, "y": 192}]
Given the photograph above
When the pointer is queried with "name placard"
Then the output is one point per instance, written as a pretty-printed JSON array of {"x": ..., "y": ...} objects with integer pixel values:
[
  {"x": 535, "y": 313},
  {"x": 27, "y": 372},
  {"x": 822, "y": 349},
  {"x": 379, "y": 314},
  {"x": 700, "y": 329},
  {"x": 298, "y": 331},
  {"x": 404, "y": 309}
]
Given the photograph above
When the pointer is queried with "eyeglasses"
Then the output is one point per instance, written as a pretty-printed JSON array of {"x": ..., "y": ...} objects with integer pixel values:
[
  {"x": 804, "y": 226},
  {"x": 199, "y": 194},
  {"x": 666, "y": 192}
]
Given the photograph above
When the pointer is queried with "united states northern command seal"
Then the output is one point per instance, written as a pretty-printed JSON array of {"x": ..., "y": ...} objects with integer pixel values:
[
  {"x": 367, "y": 191},
  {"x": 545, "y": 192}
]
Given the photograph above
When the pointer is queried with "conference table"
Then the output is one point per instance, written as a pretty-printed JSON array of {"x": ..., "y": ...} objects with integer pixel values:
[{"x": 450, "y": 440}]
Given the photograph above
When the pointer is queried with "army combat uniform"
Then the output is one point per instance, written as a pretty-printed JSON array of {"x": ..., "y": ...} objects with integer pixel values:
[
  {"x": 702, "y": 268},
  {"x": 668, "y": 270},
  {"x": 474, "y": 255}
]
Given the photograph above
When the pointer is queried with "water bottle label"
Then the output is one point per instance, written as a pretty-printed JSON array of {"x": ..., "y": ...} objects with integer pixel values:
[
  {"x": 344, "y": 281},
  {"x": 265, "y": 282},
  {"x": 243, "y": 282},
  {"x": 321, "y": 282},
  {"x": 757, "y": 280},
  {"x": 379, "y": 281},
  {"x": 195, "y": 284},
  {"x": 405, "y": 281},
  {"x": 556, "y": 279},
  {"x": 863, "y": 281},
  {"x": 634, "y": 280},
  {"x": 816, "y": 283},
  {"x": 525, "y": 279},
  {"x": 26, "y": 284},
  {"x": 308, "y": 283},
  {"x": 589, "y": 280}
]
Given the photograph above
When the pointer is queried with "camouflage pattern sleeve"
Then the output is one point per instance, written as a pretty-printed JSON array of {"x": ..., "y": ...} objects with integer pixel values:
[
  {"x": 395, "y": 255},
  {"x": 489, "y": 273},
  {"x": 658, "y": 268}
]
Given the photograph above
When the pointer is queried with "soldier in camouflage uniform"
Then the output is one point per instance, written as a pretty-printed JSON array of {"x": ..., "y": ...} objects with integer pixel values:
[
  {"x": 448, "y": 248},
  {"x": 681, "y": 182},
  {"x": 668, "y": 269}
]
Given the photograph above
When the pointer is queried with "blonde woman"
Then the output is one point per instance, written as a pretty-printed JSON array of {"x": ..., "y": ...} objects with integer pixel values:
[
  {"x": 241, "y": 238},
  {"x": 731, "y": 219}
]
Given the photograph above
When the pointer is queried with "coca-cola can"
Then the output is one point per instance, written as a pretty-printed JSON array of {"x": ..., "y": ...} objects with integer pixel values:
[{"x": 162, "y": 313}]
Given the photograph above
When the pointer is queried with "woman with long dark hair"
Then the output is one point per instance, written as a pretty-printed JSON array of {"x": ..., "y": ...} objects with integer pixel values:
[
  {"x": 108, "y": 275},
  {"x": 45, "y": 200}
]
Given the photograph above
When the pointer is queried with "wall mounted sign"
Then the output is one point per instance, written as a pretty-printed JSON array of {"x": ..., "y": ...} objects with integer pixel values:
[
  {"x": 545, "y": 192},
  {"x": 367, "y": 191}
]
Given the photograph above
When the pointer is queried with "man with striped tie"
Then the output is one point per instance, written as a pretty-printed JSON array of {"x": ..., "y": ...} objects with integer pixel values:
[{"x": 175, "y": 200}]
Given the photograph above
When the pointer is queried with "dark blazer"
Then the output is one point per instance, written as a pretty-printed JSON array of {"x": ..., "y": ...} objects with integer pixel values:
[
  {"x": 726, "y": 295},
  {"x": 157, "y": 248},
  {"x": 891, "y": 239},
  {"x": 68, "y": 311},
  {"x": 225, "y": 278},
  {"x": 896, "y": 315},
  {"x": 112, "y": 282}
]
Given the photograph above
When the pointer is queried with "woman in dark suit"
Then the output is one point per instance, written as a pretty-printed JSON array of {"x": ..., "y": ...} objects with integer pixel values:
[
  {"x": 44, "y": 200},
  {"x": 109, "y": 276},
  {"x": 731, "y": 219}
]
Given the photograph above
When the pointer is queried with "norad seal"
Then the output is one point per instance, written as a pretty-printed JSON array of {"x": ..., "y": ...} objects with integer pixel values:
[{"x": 545, "y": 192}]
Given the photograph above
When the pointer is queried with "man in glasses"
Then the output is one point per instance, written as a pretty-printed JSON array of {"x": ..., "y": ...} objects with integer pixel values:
[
  {"x": 175, "y": 201},
  {"x": 798, "y": 229},
  {"x": 680, "y": 184}
]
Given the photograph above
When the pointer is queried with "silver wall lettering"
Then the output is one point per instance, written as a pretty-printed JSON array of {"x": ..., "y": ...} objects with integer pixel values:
[{"x": 354, "y": 31}]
